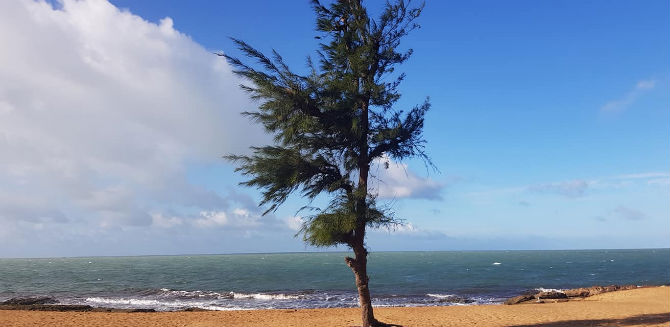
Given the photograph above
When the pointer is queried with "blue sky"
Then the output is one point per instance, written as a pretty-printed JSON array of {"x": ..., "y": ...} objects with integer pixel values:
[{"x": 550, "y": 126}]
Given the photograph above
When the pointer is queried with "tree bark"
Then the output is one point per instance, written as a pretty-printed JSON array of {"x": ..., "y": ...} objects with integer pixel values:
[{"x": 359, "y": 267}]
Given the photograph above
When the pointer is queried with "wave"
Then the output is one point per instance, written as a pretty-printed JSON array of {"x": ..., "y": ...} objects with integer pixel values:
[
  {"x": 166, "y": 292},
  {"x": 441, "y": 296},
  {"x": 166, "y": 299},
  {"x": 266, "y": 296},
  {"x": 132, "y": 303},
  {"x": 194, "y": 294}
]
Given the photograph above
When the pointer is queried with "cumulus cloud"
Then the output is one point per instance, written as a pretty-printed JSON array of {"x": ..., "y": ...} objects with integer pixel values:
[
  {"x": 396, "y": 180},
  {"x": 101, "y": 112},
  {"x": 623, "y": 103},
  {"x": 574, "y": 188}
]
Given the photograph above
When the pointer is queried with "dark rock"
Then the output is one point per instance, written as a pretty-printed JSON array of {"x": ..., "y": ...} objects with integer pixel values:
[
  {"x": 195, "y": 309},
  {"x": 73, "y": 307},
  {"x": 46, "y": 307},
  {"x": 142, "y": 310},
  {"x": 30, "y": 300},
  {"x": 519, "y": 299},
  {"x": 455, "y": 299},
  {"x": 551, "y": 295}
]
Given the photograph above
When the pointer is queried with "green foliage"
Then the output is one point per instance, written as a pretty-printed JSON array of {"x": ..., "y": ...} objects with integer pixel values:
[
  {"x": 337, "y": 223},
  {"x": 329, "y": 125}
]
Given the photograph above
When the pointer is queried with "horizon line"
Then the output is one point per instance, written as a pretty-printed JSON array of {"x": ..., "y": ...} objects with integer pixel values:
[{"x": 326, "y": 251}]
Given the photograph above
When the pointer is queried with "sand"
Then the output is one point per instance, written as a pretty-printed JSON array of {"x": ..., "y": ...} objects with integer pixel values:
[{"x": 638, "y": 307}]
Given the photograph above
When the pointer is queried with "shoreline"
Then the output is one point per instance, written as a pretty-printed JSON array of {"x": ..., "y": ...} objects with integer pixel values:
[
  {"x": 535, "y": 296},
  {"x": 648, "y": 306}
]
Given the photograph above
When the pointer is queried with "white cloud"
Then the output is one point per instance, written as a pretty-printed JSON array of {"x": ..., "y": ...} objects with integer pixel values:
[
  {"x": 574, "y": 188},
  {"x": 237, "y": 219},
  {"x": 165, "y": 221},
  {"x": 101, "y": 112},
  {"x": 659, "y": 181},
  {"x": 211, "y": 218},
  {"x": 630, "y": 97},
  {"x": 412, "y": 231},
  {"x": 398, "y": 181},
  {"x": 294, "y": 223},
  {"x": 643, "y": 175},
  {"x": 628, "y": 213}
]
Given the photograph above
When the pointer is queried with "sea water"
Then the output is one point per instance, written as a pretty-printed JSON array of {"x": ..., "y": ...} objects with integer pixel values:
[{"x": 322, "y": 280}]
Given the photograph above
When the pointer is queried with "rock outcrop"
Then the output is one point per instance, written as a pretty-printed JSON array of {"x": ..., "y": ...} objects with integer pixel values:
[
  {"x": 551, "y": 295},
  {"x": 571, "y": 293},
  {"x": 519, "y": 299}
]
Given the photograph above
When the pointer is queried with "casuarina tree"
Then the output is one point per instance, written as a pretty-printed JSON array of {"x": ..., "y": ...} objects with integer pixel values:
[{"x": 332, "y": 123}]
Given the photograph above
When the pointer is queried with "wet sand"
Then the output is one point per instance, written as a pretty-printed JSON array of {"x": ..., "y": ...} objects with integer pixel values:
[{"x": 637, "y": 307}]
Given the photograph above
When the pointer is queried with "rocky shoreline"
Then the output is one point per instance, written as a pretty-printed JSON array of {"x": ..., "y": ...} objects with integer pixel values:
[
  {"x": 565, "y": 295},
  {"x": 535, "y": 296},
  {"x": 46, "y": 303}
]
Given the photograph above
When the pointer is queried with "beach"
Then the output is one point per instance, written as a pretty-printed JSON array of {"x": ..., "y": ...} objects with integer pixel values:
[{"x": 637, "y": 307}]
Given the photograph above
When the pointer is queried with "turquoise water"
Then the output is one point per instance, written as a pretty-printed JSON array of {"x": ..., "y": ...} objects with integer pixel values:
[{"x": 310, "y": 280}]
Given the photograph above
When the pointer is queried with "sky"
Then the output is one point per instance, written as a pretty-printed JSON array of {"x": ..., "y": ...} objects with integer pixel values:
[{"x": 549, "y": 126}]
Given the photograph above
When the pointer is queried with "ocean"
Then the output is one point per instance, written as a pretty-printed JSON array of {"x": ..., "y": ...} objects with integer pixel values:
[{"x": 322, "y": 280}]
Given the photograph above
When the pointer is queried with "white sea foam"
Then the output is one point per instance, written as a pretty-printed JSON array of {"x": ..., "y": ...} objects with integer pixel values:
[
  {"x": 441, "y": 296},
  {"x": 128, "y": 301},
  {"x": 158, "y": 304},
  {"x": 195, "y": 294},
  {"x": 496, "y": 263},
  {"x": 265, "y": 296},
  {"x": 220, "y": 308},
  {"x": 542, "y": 289}
]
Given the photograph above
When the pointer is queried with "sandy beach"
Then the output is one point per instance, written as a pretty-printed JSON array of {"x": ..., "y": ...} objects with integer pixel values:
[{"x": 638, "y": 307}]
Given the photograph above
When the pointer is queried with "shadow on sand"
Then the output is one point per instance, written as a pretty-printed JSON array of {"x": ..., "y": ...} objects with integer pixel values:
[
  {"x": 645, "y": 319},
  {"x": 639, "y": 320}
]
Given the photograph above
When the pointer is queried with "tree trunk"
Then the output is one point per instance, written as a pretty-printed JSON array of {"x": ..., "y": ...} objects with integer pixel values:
[{"x": 359, "y": 267}]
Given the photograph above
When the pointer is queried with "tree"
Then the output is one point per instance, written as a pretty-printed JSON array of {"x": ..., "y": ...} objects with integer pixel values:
[{"x": 330, "y": 125}]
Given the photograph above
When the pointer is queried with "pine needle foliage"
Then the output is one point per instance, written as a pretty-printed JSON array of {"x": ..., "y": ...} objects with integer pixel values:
[{"x": 331, "y": 124}]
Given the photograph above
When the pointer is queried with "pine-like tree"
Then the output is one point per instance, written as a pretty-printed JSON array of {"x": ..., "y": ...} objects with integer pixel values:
[{"x": 331, "y": 124}]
